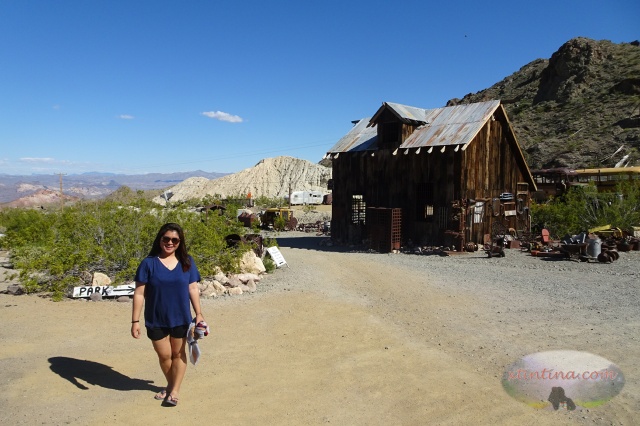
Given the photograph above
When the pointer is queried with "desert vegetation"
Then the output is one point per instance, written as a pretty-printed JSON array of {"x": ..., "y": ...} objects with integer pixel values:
[
  {"x": 582, "y": 208},
  {"x": 56, "y": 249}
]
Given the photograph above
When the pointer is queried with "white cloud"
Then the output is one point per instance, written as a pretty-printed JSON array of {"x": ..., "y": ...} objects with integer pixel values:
[
  {"x": 223, "y": 116},
  {"x": 38, "y": 160},
  {"x": 126, "y": 117},
  {"x": 44, "y": 162}
]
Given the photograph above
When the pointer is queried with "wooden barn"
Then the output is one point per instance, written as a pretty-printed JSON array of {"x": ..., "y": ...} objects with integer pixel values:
[{"x": 446, "y": 176}]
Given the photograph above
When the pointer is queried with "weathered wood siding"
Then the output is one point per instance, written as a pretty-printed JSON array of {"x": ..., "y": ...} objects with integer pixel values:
[{"x": 482, "y": 172}]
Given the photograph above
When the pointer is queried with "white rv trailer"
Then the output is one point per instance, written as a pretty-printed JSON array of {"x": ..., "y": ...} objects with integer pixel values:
[{"x": 306, "y": 197}]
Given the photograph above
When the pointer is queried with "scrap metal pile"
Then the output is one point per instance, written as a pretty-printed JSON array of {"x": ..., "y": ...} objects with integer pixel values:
[{"x": 600, "y": 244}]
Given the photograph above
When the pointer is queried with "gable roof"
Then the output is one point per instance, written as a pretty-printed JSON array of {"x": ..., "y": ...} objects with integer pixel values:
[
  {"x": 454, "y": 125},
  {"x": 405, "y": 113},
  {"x": 361, "y": 137}
]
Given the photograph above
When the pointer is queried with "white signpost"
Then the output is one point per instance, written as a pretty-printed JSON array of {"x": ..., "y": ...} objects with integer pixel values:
[
  {"x": 277, "y": 257},
  {"x": 105, "y": 291}
]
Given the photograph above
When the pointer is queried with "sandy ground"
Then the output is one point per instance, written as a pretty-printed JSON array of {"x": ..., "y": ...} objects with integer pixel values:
[{"x": 334, "y": 338}]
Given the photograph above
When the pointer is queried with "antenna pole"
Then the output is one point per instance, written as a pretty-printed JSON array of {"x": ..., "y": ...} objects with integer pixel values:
[{"x": 61, "y": 193}]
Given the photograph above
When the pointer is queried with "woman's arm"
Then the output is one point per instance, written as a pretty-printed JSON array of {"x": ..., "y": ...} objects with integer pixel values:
[
  {"x": 194, "y": 295},
  {"x": 138, "y": 300}
]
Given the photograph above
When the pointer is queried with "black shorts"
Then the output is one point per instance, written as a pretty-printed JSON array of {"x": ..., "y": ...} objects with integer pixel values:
[{"x": 179, "y": 332}]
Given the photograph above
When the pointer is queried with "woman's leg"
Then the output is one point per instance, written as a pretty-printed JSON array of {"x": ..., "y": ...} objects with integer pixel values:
[
  {"x": 163, "y": 349},
  {"x": 178, "y": 364}
]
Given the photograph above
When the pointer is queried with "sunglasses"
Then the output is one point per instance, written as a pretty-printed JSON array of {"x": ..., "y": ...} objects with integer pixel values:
[{"x": 174, "y": 241}]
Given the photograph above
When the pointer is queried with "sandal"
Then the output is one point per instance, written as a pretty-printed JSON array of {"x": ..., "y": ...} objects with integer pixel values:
[
  {"x": 171, "y": 400},
  {"x": 161, "y": 395}
]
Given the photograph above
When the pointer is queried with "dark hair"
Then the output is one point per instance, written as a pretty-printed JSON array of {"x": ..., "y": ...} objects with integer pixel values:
[{"x": 181, "y": 251}]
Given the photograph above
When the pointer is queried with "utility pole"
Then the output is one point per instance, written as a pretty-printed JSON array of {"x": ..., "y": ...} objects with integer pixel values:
[{"x": 61, "y": 193}]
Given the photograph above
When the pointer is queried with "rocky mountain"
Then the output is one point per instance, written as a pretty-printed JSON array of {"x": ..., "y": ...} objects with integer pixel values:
[
  {"x": 41, "y": 198},
  {"x": 86, "y": 185},
  {"x": 271, "y": 177},
  {"x": 577, "y": 108}
]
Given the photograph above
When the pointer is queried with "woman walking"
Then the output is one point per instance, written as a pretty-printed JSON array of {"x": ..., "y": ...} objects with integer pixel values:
[{"x": 166, "y": 281}]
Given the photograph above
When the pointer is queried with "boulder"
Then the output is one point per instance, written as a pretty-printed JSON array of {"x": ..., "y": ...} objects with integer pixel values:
[
  {"x": 220, "y": 289},
  {"x": 15, "y": 289},
  {"x": 96, "y": 297},
  {"x": 234, "y": 291},
  {"x": 221, "y": 278},
  {"x": 251, "y": 286},
  {"x": 234, "y": 281},
  {"x": 209, "y": 292},
  {"x": 100, "y": 279},
  {"x": 246, "y": 277},
  {"x": 250, "y": 263},
  {"x": 123, "y": 299}
]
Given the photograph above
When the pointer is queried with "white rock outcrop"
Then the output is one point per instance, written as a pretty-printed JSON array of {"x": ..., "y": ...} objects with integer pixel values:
[{"x": 271, "y": 177}]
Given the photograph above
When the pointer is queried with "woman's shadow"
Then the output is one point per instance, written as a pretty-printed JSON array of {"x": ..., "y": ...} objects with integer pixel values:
[{"x": 97, "y": 374}]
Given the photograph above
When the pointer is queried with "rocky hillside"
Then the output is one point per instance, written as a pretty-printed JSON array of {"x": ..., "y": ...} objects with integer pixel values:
[
  {"x": 271, "y": 177},
  {"x": 577, "y": 108},
  {"x": 87, "y": 185},
  {"x": 41, "y": 198}
]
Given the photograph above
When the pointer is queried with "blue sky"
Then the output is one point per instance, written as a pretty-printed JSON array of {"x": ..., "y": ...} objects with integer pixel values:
[{"x": 166, "y": 86}]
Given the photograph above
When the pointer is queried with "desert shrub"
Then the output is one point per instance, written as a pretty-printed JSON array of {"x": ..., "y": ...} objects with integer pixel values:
[
  {"x": 308, "y": 208},
  {"x": 279, "y": 223},
  {"x": 205, "y": 235},
  {"x": 54, "y": 250},
  {"x": 24, "y": 227},
  {"x": 582, "y": 208},
  {"x": 269, "y": 264},
  {"x": 267, "y": 202}
]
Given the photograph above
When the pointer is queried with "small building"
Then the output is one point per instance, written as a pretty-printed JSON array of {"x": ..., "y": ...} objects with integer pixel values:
[{"x": 445, "y": 176}]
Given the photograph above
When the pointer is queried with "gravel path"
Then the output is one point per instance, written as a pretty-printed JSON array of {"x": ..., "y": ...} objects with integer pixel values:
[
  {"x": 487, "y": 311},
  {"x": 339, "y": 336}
]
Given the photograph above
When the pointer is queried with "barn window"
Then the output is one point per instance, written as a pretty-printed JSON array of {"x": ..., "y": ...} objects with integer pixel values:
[
  {"x": 424, "y": 202},
  {"x": 390, "y": 134},
  {"x": 358, "y": 208}
]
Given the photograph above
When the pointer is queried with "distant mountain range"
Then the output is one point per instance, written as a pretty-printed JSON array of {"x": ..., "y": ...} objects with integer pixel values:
[{"x": 90, "y": 185}]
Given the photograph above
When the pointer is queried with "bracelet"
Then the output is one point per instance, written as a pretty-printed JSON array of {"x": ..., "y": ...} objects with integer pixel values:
[
  {"x": 199, "y": 313},
  {"x": 134, "y": 321}
]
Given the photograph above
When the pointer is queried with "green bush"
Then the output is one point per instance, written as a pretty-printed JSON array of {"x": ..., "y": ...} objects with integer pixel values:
[
  {"x": 269, "y": 264},
  {"x": 267, "y": 202},
  {"x": 279, "y": 223},
  {"x": 57, "y": 250},
  {"x": 308, "y": 208},
  {"x": 582, "y": 208}
]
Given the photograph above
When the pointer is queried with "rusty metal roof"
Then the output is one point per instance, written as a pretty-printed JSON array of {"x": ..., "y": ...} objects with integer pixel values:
[
  {"x": 360, "y": 138},
  {"x": 403, "y": 112},
  {"x": 454, "y": 125}
]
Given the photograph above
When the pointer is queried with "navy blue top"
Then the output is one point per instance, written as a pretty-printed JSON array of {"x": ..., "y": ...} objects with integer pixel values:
[{"x": 166, "y": 292}]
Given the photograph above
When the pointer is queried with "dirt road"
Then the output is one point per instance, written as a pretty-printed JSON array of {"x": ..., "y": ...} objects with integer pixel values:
[{"x": 335, "y": 338}]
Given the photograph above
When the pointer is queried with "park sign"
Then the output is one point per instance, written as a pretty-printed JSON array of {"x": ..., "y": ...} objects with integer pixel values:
[
  {"x": 104, "y": 291},
  {"x": 277, "y": 257}
]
